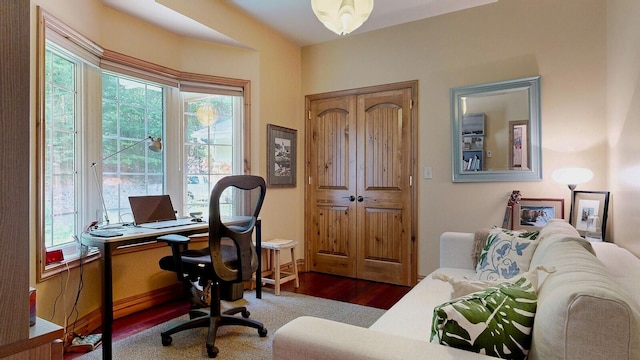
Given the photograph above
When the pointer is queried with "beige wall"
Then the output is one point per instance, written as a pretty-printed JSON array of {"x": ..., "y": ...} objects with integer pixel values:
[
  {"x": 623, "y": 105},
  {"x": 563, "y": 41},
  {"x": 270, "y": 62}
]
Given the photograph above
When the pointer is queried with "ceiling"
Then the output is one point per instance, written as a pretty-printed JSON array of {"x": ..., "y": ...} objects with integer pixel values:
[{"x": 294, "y": 19}]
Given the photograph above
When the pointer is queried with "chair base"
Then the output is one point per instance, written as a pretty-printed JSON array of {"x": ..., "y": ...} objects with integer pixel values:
[{"x": 200, "y": 318}]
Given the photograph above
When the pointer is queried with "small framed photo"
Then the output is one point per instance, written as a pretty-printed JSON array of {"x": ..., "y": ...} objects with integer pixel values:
[
  {"x": 585, "y": 207},
  {"x": 281, "y": 156},
  {"x": 533, "y": 214}
]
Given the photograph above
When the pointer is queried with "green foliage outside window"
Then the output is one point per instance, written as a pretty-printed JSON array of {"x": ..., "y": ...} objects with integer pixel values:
[
  {"x": 131, "y": 111},
  {"x": 60, "y": 213}
]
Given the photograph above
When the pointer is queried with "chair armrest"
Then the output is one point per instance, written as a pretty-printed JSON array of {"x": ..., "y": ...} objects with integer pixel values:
[
  {"x": 178, "y": 244},
  {"x": 174, "y": 239}
]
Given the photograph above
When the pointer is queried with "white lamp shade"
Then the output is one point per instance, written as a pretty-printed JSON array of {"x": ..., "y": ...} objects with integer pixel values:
[
  {"x": 156, "y": 144},
  {"x": 572, "y": 176},
  {"x": 342, "y": 16}
]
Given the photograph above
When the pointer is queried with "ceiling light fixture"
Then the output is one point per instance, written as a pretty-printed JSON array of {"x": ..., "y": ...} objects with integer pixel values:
[
  {"x": 207, "y": 114},
  {"x": 342, "y": 16}
]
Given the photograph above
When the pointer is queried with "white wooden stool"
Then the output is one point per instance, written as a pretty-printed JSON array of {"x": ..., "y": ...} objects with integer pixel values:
[{"x": 272, "y": 274}]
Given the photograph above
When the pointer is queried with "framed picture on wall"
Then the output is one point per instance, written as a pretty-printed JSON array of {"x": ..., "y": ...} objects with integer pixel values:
[
  {"x": 532, "y": 214},
  {"x": 518, "y": 156},
  {"x": 588, "y": 207},
  {"x": 281, "y": 156}
]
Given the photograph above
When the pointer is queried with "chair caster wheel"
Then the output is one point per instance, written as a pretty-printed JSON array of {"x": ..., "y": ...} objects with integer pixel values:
[
  {"x": 245, "y": 314},
  {"x": 262, "y": 332},
  {"x": 166, "y": 340},
  {"x": 212, "y": 351}
]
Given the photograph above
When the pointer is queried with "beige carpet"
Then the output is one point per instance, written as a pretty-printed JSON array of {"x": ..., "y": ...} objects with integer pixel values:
[{"x": 236, "y": 342}]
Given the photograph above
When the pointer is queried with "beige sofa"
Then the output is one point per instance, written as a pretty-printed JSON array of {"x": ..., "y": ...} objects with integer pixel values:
[{"x": 587, "y": 309}]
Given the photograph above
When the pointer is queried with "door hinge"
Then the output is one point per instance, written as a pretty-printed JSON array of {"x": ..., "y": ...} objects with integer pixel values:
[
  {"x": 309, "y": 180},
  {"x": 411, "y": 104},
  {"x": 309, "y": 115},
  {"x": 410, "y": 180}
]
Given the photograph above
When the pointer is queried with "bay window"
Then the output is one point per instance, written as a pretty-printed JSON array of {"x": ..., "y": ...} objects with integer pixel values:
[{"x": 92, "y": 103}]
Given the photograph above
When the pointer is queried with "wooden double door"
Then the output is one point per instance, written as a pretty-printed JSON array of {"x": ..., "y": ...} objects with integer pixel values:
[{"x": 360, "y": 197}]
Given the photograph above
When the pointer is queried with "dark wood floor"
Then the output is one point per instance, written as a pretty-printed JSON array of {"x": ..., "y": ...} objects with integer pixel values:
[{"x": 362, "y": 292}]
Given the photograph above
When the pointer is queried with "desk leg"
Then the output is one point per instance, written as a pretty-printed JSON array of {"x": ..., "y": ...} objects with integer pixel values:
[
  {"x": 107, "y": 303},
  {"x": 259, "y": 251}
]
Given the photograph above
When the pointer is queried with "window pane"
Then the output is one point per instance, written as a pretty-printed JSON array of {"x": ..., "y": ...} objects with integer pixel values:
[
  {"x": 60, "y": 223},
  {"x": 133, "y": 110},
  {"x": 209, "y": 145},
  {"x": 109, "y": 119},
  {"x": 60, "y": 181},
  {"x": 132, "y": 121}
]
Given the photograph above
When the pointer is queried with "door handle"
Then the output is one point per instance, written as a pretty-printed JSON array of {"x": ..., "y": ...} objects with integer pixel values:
[
  {"x": 351, "y": 198},
  {"x": 360, "y": 198}
]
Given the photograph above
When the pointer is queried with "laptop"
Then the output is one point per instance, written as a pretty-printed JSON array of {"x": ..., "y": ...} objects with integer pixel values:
[{"x": 155, "y": 212}]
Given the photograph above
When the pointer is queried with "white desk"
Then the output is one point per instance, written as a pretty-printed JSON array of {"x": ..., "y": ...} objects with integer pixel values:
[{"x": 137, "y": 235}]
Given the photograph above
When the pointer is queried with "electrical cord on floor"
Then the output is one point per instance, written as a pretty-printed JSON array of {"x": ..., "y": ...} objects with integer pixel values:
[
  {"x": 74, "y": 308},
  {"x": 63, "y": 289}
]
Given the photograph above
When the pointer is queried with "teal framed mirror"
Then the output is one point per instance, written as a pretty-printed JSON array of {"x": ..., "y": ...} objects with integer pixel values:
[{"x": 496, "y": 131}]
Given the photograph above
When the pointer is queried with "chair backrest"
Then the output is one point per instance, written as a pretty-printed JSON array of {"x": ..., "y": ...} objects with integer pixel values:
[{"x": 234, "y": 206}]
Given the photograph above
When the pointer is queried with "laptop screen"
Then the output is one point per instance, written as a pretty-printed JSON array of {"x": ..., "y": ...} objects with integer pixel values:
[{"x": 151, "y": 208}]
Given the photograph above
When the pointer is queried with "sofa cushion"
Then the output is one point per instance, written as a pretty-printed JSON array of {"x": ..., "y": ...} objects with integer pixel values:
[
  {"x": 496, "y": 321},
  {"x": 583, "y": 312},
  {"x": 506, "y": 254},
  {"x": 621, "y": 264},
  {"x": 411, "y": 315}
]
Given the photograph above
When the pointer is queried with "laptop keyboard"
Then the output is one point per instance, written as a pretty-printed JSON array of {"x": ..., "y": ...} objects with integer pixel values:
[
  {"x": 167, "y": 223},
  {"x": 105, "y": 233}
]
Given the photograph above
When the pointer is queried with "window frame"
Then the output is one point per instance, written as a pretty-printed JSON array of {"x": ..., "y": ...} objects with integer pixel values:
[
  {"x": 127, "y": 65},
  {"x": 126, "y": 148},
  {"x": 89, "y": 52},
  {"x": 209, "y": 177}
]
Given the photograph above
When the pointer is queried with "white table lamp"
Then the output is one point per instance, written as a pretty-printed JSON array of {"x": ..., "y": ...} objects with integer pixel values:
[{"x": 572, "y": 176}]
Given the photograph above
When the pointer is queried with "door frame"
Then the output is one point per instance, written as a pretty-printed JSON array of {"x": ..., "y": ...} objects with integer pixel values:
[{"x": 308, "y": 208}]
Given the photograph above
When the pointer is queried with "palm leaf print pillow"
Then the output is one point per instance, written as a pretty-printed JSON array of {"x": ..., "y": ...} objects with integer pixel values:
[{"x": 496, "y": 321}]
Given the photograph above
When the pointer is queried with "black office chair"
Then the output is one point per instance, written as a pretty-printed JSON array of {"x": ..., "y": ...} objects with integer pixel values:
[{"x": 230, "y": 258}]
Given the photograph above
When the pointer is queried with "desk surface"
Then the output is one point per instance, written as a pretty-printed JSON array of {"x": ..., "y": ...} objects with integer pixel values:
[{"x": 136, "y": 233}]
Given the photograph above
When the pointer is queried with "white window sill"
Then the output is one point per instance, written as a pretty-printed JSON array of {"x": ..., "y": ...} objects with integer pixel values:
[{"x": 73, "y": 258}]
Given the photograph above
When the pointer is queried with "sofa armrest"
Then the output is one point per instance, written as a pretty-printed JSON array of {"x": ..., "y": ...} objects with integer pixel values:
[
  {"x": 455, "y": 250},
  {"x": 312, "y": 338}
]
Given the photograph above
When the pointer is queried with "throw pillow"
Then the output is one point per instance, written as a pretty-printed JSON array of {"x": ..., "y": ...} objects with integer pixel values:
[
  {"x": 479, "y": 239},
  {"x": 506, "y": 254},
  {"x": 496, "y": 321}
]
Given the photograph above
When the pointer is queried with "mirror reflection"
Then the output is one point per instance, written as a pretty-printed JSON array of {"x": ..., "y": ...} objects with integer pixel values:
[{"x": 496, "y": 131}]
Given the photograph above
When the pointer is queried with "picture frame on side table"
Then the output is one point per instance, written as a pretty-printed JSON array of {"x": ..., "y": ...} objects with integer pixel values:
[
  {"x": 281, "y": 156},
  {"x": 585, "y": 205},
  {"x": 532, "y": 214}
]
